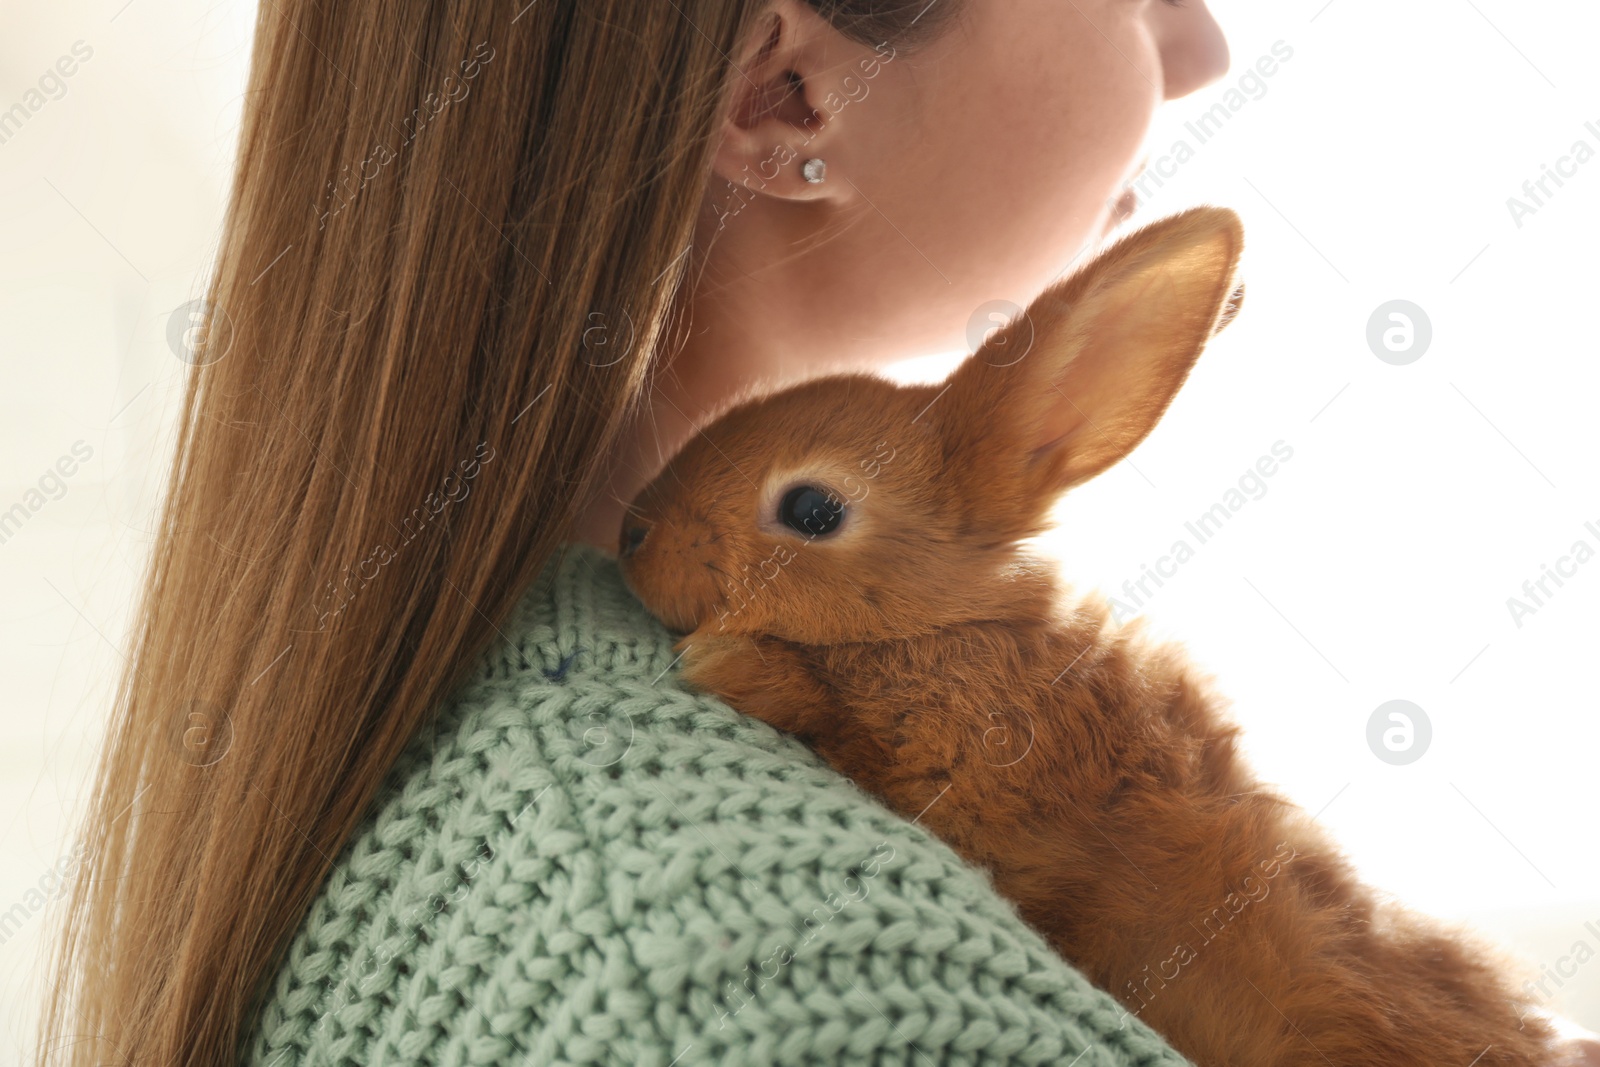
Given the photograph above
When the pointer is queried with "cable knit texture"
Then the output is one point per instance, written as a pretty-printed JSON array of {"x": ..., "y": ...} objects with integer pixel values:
[{"x": 580, "y": 861}]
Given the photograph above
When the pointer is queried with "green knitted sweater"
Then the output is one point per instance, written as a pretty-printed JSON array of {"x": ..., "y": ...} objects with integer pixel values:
[{"x": 580, "y": 861}]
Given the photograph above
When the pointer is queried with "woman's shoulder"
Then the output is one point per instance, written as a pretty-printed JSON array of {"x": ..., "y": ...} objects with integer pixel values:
[{"x": 582, "y": 862}]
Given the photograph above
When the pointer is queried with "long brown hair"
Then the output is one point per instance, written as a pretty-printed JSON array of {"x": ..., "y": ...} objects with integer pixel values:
[{"x": 393, "y": 416}]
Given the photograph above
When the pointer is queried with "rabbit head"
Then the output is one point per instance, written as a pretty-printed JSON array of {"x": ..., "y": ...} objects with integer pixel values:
[{"x": 851, "y": 508}]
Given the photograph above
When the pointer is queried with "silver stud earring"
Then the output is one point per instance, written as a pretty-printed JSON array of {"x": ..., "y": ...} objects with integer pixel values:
[{"x": 814, "y": 170}]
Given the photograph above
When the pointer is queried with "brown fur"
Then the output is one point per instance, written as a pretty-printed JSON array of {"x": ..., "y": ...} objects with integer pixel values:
[{"x": 923, "y": 653}]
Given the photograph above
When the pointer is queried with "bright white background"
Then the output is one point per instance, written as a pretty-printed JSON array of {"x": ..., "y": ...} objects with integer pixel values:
[{"x": 1374, "y": 164}]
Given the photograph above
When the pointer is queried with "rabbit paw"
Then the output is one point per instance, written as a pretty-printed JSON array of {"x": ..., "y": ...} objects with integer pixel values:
[
  {"x": 764, "y": 677},
  {"x": 705, "y": 657}
]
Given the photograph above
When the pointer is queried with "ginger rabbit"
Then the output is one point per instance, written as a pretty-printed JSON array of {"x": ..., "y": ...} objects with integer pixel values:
[{"x": 844, "y": 559}]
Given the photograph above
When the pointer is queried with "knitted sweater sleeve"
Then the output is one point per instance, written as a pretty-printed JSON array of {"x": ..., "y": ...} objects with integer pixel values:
[{"x": 581, "y": 862}]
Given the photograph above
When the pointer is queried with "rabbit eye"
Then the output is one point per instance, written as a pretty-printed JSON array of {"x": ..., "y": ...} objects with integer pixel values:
[{"x": 808, "y": 510}]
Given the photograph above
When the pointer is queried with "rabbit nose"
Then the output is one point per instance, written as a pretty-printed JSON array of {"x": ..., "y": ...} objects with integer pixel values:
[{"x": 632, "y": 538}]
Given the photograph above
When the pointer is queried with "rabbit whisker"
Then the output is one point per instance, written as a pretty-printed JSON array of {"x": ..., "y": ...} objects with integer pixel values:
[
  {"x": 722, "y": 595},
  {"x": 628, "y": 507}
]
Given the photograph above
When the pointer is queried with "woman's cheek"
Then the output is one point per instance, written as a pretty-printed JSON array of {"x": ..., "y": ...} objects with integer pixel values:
[{"x": 1062, "y": 104}]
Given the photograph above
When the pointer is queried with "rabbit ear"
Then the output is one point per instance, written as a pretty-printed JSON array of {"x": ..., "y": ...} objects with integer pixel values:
[{"x": 1078, "y": 380}]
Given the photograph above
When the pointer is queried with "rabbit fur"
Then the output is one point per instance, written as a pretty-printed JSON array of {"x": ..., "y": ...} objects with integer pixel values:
[{"x": 917, "y": 646}]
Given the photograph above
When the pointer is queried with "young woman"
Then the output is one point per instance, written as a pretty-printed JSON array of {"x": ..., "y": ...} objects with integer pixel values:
[{"x": 398, "y": 772}]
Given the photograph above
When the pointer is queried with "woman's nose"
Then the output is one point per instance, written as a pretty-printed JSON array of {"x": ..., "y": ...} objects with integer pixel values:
[
  {"x": 632, "y": 538},
  {"x": 1194, "y": 53}
]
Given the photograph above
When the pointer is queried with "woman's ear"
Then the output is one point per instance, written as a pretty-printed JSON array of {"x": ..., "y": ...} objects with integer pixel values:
[{"x": 782, "y": 108}]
